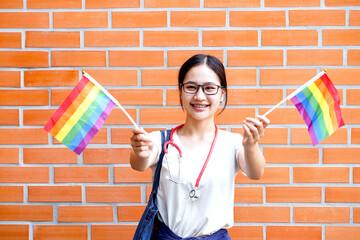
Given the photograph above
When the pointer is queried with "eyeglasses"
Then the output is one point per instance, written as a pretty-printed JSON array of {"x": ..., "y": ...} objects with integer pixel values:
[{"x": 208, "y": 89}]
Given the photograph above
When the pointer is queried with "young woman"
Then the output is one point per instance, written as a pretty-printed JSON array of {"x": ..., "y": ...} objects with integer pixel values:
[{"x": 196, "y": 192}]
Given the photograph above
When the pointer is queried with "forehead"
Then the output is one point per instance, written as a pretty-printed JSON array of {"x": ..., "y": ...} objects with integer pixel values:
[{"x": 201, "y": 74}]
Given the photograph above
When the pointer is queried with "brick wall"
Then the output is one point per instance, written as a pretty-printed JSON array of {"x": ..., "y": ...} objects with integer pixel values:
[{"x": 134, "y": 48}]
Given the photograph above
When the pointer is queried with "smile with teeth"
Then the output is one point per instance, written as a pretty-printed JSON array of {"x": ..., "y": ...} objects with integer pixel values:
[{"x": 199, "y": 105}]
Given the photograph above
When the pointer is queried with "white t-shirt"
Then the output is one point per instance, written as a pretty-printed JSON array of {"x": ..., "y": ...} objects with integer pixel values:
[{"x": 214, "y": 209}]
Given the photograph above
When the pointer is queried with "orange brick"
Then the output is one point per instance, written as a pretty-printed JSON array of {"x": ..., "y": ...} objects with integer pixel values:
[
  {"x": 355, "y": 135},
  {"x": 128, "y": 175},
  {"x": 354, "y": 18},
  {"x": 24, "y": 174},
  {"x": 341, "y": 37},
  {"x": 24, "y": 97},
  {"x": 53, "y": 78},
  {"x": 172, "y": 3},
  {"x": 43, "y": 4},
  {"x": 233, "y": 115},
  {"x": 156, "y": 116},
  {"x": 112, "y": 39},
  {"x": 171, "y": 39},
  {"x": 81, "y": 19},
  {"x": 248, "y": 194},
  {"x": 11, "y": 194},
  {"x": 24, "y": 20},
  {"x": 51, "y": 39},
  {"x": 120, "y": 232},
  {"x": 178, "y": 57},
  {"x": 12, "y": 231},
  {"x": 254, "y": 96},
  {"x": 314, "y": 57},
  {"x": 351, "y": 115},
  {"x": 285, "y": 76},
  {"x": 121, "y": 135},
  {"x": 255, "y": 57},
  {"x": 114, "y": 77},
  {"x": 86, "y": 214},
  {"x": 9, "y": 155},
  {"x": 293, "y": 194},
  {"x": 81, "y": 175},
  {"x": 118, "y": 117},
  {"x": 291, "y": 155},
  {"x": 54, "y": 194},
  {"x": 257, "y": 18},
  {"x": 159, "y": 77},
  {"x": 236, "y": 77},
  {"x": 272, "y": 135},
  {"x": 9, "y": 117},
  {"x": 283, "y": 115},
  {"x": 26, "y": 213},
  {"x": 23, "y": 136},
  {"x": 292, "y": 3},
  {"x": 354, "y": 57},
  {"x": 289, "y": 38},
  {"x": 10, "y": 78},
  {"x": 106, "y": 155},
  {"x": 60, "y": 232},
  {"x": 342, "y": 194},
  {"x": 231, "y": 38},
  {"x": 37, "y": 117},
  {"x": 5, "y": 4},
  {"x": 356, "y": 175},
  {"x": 356, "y": 218},
  {"x": 24, "y": 58},
  {"x": 138, "y": 96},
  {"x": 293, "y": 232},
  {"x": 198, "y": 19},
  {"x": 321, "y": 214},
  {"x": 341, "y": 155},
  {"x": 113, "y": 194},
  {"x": 246, "y": 232},
  {"x": 112, "y": 4},
  {"x": 136, "y": 58},
  {"x": 130, "y": 213},
  {"x": 49, "y": 156},
  {"x": 262, "y": 214},
  {"x": 348, "y": 76},
  {"x": 321, "y": 174},
  {"x": 317, "y": 17},
  {"x": 10, "y": 40},
  {"x": 271, "y": 175},
  {"x": 339, "y": 3},
  {"x": 231, "y": 3},
  {"x": 301, "y": 136},
  {"x": 338, "y": 232},
  {"x": 353, "y": 97},
  {"x": 143, "y": 19},
  {"x": 78, "y": 58}
]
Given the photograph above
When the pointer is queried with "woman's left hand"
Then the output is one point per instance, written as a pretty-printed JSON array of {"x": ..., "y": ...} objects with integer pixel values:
[{"x": 254, "y": 129}]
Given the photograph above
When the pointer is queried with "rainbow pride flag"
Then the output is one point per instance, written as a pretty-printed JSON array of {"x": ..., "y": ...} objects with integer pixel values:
[
  {"x": 318, "y": 103},
  {"x": 81, "y": 115}
]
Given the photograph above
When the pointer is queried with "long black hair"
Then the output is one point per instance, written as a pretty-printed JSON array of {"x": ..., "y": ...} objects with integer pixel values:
[{"x": 213, "y": 63}]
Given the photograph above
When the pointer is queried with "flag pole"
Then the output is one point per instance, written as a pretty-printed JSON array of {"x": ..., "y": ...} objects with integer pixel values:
[
  {"x": 111, "y": 97},
  {"x": 296, "y": 91}
]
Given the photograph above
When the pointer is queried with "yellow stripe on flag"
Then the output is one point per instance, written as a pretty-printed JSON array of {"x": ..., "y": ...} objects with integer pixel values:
[
  {"x": 323, "y": 105},
  {"x": 77, "y": 114}
]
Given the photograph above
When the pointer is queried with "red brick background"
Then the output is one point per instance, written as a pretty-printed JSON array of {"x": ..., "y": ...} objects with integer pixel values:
[{"x": 134, "y": 49}]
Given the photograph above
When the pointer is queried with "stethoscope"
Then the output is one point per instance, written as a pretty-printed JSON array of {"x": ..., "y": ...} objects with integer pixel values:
[{"x": 194, "y": 193}]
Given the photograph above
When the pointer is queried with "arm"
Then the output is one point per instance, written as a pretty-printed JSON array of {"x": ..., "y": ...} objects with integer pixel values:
[
  {"x": 251, "y": 159},
  {"x": 143, "y": 152}
]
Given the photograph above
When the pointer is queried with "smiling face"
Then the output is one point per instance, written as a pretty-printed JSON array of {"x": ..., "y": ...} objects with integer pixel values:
[{"x": 200, "y": 106}]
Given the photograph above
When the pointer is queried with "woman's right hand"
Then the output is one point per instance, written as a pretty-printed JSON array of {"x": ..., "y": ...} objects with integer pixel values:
[{"x": 141, "y": 143}]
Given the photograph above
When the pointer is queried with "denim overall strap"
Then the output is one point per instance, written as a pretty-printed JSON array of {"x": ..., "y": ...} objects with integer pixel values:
[{"x": 145, "y": 226}]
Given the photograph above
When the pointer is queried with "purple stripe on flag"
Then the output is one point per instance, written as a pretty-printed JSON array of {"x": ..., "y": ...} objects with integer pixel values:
[
  {"x": 306, "y": 118},
  {"x": 95, "y": 128}
]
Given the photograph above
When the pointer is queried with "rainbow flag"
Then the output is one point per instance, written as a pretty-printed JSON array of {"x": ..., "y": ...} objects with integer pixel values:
[
  {"x": 81, "y": 115},
  {"x": 319, "y": 105}
]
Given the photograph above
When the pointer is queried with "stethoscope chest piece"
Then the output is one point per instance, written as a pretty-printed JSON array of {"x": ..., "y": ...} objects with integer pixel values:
[{"x": 194, "y": 194}]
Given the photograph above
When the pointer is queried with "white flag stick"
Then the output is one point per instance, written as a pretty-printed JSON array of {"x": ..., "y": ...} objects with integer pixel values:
[
  {"x": 111, "y": 97},
  {"x": 296, "y": 91}
]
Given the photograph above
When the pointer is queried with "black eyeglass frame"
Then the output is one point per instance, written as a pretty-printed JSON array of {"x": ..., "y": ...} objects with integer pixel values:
[{"x": 202, "y": 87}]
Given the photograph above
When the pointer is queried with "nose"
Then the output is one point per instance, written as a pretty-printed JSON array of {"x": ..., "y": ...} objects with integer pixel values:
[{"x": 200, "y": 93}]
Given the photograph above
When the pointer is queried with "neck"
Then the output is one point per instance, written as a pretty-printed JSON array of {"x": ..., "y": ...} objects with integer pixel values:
[{"x": 200, "y": 129}]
